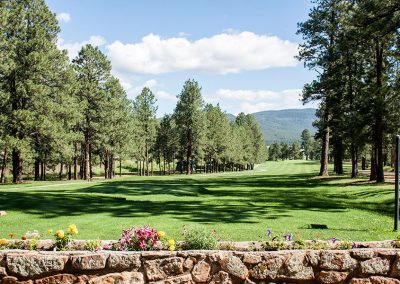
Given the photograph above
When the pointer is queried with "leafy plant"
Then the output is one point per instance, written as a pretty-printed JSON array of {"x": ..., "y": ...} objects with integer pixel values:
[
  {"x": 196, "y": 238},
  {"x": 92, "y": 245},
  {"x": 63, "y": 240}
]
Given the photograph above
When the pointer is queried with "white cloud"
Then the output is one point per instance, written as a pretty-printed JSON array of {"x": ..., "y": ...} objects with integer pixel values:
[
  {"x": 221, "y": 53},
  {"x": 73, "y": 48},
  {"x": 183, "y": 34},
  {"x": 250, "y": 101},
  {"x": 63, "y": 17},
  {"x": 166, "y": 96}
]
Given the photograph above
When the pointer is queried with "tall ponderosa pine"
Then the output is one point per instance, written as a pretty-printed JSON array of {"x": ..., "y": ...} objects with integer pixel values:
[
  {"x": 93, "y": 72},
  {"x": 189, "y": 120},
  {"x": 144, "y": 109},
  {"x": 32, "y": 71}
]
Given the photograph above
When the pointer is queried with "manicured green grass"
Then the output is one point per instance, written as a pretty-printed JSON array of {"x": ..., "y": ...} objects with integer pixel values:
[{"x": 282, "y": 196}]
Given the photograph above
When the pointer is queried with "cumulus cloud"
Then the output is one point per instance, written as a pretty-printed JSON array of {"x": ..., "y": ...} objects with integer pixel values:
[
  {"x": 250, "y": 101},
  {"x": 222, "y": 53},
  {"x": 166, "y": 96},
  {"x": 73, "y": 48},
  {"x": 63, "y": 17}
]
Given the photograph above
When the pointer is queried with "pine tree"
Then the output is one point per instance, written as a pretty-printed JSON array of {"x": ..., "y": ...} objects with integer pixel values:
[{"x": 189, "y": 119}]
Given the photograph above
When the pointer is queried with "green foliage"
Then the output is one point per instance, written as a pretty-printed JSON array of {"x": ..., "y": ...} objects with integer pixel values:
[
  {"x": 92, "y": 245},
  {"x": 196, "y": 238}
]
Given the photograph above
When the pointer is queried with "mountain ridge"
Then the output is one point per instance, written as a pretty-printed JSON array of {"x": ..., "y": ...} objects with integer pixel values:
[{"x": 284, "y": 125}]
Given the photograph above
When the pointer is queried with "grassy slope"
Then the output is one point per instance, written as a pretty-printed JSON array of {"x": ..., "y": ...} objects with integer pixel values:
[{"x": 239, "y": 206}]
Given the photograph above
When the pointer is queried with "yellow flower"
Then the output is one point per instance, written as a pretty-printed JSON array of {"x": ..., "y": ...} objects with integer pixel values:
[
  {"x": 160, "y": 234},
  {"x": 60, "y": 234},
  {"x": 50, "y": 231},
  {"x": 171, "y": 248},
  {"x": 171, "y": 242},
  {"x": 72, "y": 229},
  {"x": 3, "y": 242}
]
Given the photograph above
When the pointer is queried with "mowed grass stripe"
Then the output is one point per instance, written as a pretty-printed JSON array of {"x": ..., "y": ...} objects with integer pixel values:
[{"x": 282, "y": 196}]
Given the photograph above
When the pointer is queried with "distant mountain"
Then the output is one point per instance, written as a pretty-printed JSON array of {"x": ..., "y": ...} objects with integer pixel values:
[{"x": 284, "y": 125}]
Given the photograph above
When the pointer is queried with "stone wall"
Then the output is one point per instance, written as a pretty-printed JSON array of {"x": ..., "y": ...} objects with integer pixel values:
[{"x": 372, "y": 266}]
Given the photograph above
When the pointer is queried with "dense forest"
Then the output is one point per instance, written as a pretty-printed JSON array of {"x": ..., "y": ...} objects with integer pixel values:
[
  {"x": 75, "y": 115},
  {"x": 353, "y": 46}
]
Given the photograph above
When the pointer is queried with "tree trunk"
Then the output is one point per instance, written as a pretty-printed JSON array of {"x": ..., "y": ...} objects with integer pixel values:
[
  {"x": 17, "y": 166},
  {"x": 3, "y": 167},
  {"x": 106, "y": 165},
  {"x": 61, "y": 171},
  {"x": 354, "y": 160},
  {"x": 378, "y": 129},
  {"x": 86, "y": 157},
  {"x": 69, "y": 171},
  {"x": 363, "y": 163},
  {"x": 189, "y": 150},
  {"x": 37, "y": 170},
  {"x": 324, "y": 153},
  {"x": 372, "y": 175},
  {"x": 120, "y": 167},
  {"x": 90, "y": 162},
  {"x": 338, "y": 154}
]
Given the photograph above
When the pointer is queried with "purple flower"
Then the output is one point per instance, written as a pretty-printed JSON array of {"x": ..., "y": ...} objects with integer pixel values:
[
  {"x": 268, "y": 232},
  {"x": 354, "y": 245},
  {"x": 333, "y": 240},
  {"x": 288, "y": 237}
]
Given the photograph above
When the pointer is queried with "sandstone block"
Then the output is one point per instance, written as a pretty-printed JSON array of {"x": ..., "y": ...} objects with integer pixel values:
[
  {"x": 375, "y": 265},
  {"x": 159, "y": 269},
  {"x": 337, "y": 260},
  {"x": 234, "y": 266},
  {"x": 332, "y": 277},
  {"x": 201, "y": 271},
  {"x": 124, "y": 261},
  {"x": 34, "y": 265},
  {"x": 89, "y": 261}
]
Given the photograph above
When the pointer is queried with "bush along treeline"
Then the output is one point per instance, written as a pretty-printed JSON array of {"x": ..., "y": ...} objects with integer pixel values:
[
  {"x": 308, "y": 149},
  {"x": 353, "y": 45},
  {"x": 75, "y": 115}
]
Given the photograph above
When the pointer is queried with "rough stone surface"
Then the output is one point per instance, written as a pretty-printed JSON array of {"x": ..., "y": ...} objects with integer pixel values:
[
  {"x": 267, "y": 269},
  {"x": 383, "y": 280},
  {"x": 120, "y": 278},
  {"x": 233, "y": 265},
  {"x": 375, "y": 265},
  {"x": 359, "y": 266},
  {"x": 221, "y": 277},
  {"x": 363, "y": 254},
  {"x": 184, "y": 279},
  {"x": 360, "y": 281},
  {"x": 63, "y": 278},
  {"x": 89, "y": 261},
  {"x": 251, "y": 258},
  {"x": 159, "y": 269},
  {"x": 120, "y": 261},
  {"x": 201, "y": 271},
  {"x": 337, "y": 260},
  {"x": 331, "y": 277},
  {"x": 33, "y": 265},
  {"x": 294, "y": 268}
]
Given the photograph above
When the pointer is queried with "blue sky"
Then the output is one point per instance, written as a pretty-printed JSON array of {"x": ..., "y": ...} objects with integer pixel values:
[{"x": 240, "y": 52}]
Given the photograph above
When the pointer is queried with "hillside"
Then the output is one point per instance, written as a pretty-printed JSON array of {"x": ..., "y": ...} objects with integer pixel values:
[{"x": 284, "y": 125}]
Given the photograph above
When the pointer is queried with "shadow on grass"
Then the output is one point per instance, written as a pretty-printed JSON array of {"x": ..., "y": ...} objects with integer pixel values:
[{"x": 228, "y": 199}]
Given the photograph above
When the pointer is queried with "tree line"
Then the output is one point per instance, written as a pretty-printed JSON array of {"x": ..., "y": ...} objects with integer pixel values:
[
  {"x": 307, "y": 148},
  {"x": 75, "y": 115},
  {"x": 353, "y": 46}
]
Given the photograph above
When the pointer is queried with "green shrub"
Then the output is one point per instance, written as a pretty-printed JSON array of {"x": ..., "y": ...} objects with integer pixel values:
[
  {"x": 92, "y": 245},
  {"x": 196, "y": 238}
]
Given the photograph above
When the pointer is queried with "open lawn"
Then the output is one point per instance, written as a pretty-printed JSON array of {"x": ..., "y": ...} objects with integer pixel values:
[{"x": 282, "y": 196}]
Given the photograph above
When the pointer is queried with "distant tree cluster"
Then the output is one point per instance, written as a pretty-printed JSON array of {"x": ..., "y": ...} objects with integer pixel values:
[
  {"x": 308, "y": 149},
  {"x": 75, "y": 115},
  {"x": 353, "y": 45}
]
